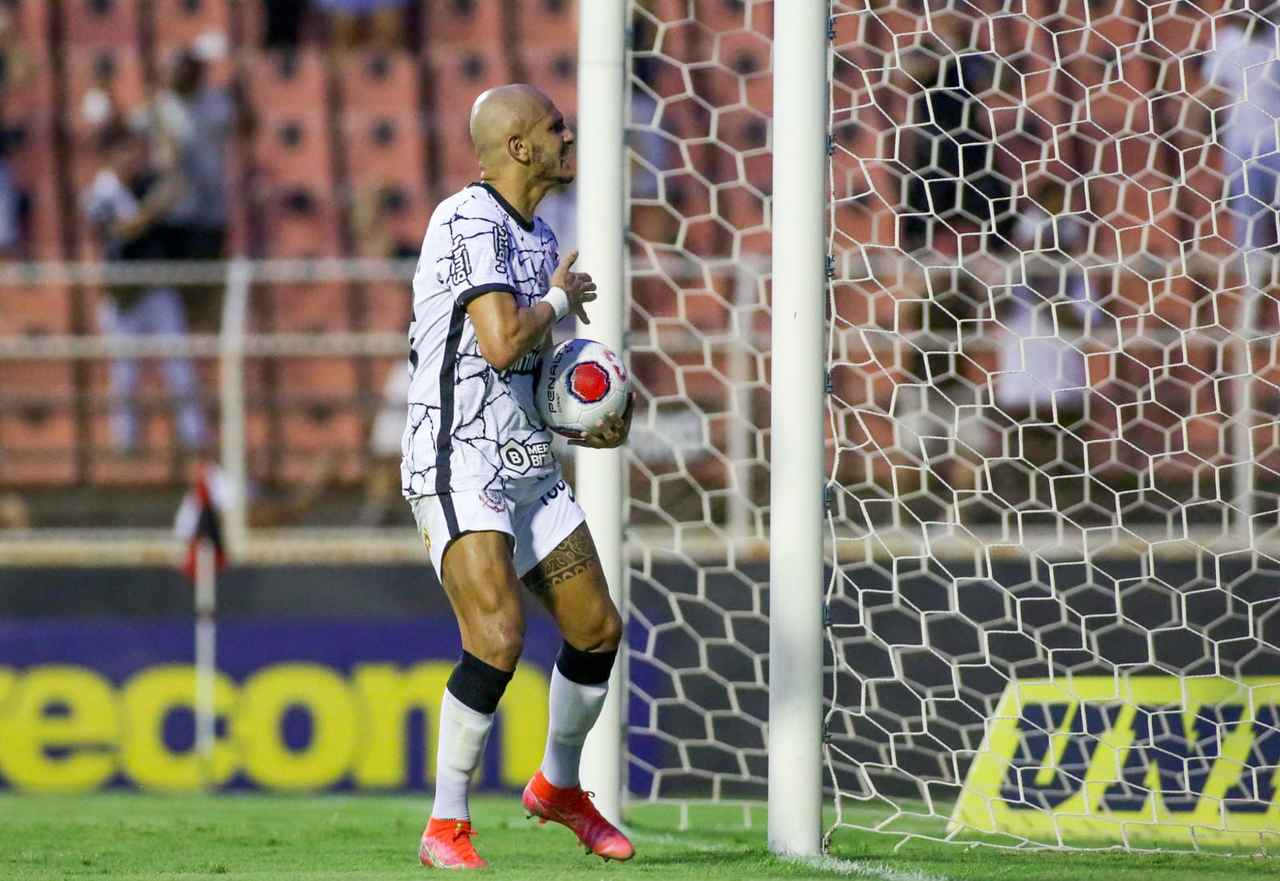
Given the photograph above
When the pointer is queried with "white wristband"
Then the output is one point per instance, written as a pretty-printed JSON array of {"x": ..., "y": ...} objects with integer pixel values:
[{"x": 558, "y": 300}]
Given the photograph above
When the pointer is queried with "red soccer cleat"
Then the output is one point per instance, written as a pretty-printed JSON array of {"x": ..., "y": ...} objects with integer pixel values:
[
  {"x": 573, "y": 808},
  {"x": 446, "y": 844}
]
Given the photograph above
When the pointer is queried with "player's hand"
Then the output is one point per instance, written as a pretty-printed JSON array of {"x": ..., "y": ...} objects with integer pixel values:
[
  {"x": 578, "y": 285},
  {"x": 612, "y": 432}
]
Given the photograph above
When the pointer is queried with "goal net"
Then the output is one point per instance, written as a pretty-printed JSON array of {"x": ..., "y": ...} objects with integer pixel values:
[{"x": 1052, "y": 443}]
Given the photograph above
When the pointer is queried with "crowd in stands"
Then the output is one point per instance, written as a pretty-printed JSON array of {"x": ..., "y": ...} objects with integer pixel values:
[{"x": 188, "y": 129}]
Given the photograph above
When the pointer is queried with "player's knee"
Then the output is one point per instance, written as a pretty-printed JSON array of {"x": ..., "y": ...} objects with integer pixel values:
[
  {"x": 606, "y": 632},
  {"x": 499, "y": 640}
]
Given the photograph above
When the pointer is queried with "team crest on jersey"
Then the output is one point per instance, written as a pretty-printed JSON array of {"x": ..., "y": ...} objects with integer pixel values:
[
  {"x": 459, "y": 262},
  {"x": 493, "y": 500},
  {"x": 589, "y": 382}
]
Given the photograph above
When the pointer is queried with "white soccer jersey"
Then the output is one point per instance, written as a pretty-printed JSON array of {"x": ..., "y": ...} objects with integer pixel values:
[{"x": 472, "y": 427}]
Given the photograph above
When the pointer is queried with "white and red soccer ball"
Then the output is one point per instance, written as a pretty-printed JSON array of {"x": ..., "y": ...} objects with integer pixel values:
[{"x": 581, "y": 384}]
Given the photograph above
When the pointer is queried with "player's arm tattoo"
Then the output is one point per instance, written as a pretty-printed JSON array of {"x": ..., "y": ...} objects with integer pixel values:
[{"x": 572, "y": 557}]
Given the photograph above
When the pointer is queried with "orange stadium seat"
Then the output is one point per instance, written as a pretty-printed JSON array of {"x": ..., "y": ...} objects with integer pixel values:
[
  {"x": 114, "y": 71},
  {"x": 299, "y": 219},
  {"x": 31, "y": 19},
  {"x": 555, "y": 71},
  {"x": 388, "y": 307},
  {"x": 35, "y": 311},
  {"x": 281, "y": 81},
  {"x": 33, "y": 162},
  {"x": 318, "y": 402},
  {"x": 293, "y": 165},
  {"x": 37, "y": 424},
  {"x": 458, "y": 77},
  {"x": 292, "y": 145},
  {"x": 384, "y": 146},
  {"x": 102, "y": 22},
  {"x": 480, "y": 23},
  {"x": 182, "y": 22},
  {"x": 548, "y": 23},
  {"x": 308, "y": 308},
  {"x": 380, "y": 82},
  {"x": 404, "y": 211}
]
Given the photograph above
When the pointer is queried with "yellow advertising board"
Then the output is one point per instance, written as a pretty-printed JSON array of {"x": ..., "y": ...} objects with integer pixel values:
[
  {"x": 67, "y": 728},
  {"x": 1141, "y": 759}
]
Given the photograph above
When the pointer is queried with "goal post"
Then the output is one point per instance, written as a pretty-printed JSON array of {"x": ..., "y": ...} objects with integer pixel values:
[
  {"x": 601, "y": 192},
  {"x": 797, "y": 524}
]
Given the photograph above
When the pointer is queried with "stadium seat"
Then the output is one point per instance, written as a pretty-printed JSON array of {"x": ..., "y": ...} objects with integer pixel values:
[
  {"x": 102, "y": 22},
  {"x": 388, "y": 307},
  {"x": 318, "y": 407},
  {"x": 183, "y": 22},
  {"x": 33, "y": 162},
  {"x": 479, "y": 23},
  {"x": 112, "y": 71},
  {"x": 307, "y": 308},
  {"x": 37, "y": 423},
  {"x": 723, "y": 16},
  {"x": 458, "y": 75},
  {"x": 555, "y": 71},
  {"x": 384, "y": 146},
  {"x": 293, "y": 165},
  {"x": 293, "y": 145},
  {"x": 380, "y": 82},
  {"x": 299, "y": 219},
  {"x": 35, "y": 311},
  {"x": 404, "y": 211},
  {"x": 549, "y": 24},
  {"x": 280, "y": 81},
  {"x": 31, "y": 21}
]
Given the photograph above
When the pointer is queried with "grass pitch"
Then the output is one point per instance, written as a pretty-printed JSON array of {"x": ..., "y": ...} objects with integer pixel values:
[{"x": 362, "y": 838}]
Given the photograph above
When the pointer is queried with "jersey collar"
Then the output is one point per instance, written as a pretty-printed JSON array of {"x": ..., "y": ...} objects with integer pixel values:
[{"x": 526, "y": 225}]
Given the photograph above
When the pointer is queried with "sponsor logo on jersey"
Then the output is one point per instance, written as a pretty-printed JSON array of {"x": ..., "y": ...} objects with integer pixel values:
[
  {"x": 520, "y": 457},
  {"x": 1147, "y": 757},
  {"x": 501, "y": 248},
  {"x": 459, "y": 262},
  {"x": 588, "y": 382}
]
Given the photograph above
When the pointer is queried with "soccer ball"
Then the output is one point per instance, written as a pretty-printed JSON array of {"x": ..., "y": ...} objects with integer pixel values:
[{"x": 580, "y": 384}]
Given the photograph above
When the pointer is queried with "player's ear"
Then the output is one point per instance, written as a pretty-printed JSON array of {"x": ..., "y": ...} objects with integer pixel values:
[{"x": 518, "y": 149}]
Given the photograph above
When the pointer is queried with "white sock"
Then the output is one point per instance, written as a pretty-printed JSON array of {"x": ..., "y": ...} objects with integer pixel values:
[
  {"x": 574, "y": 709},
  {"x": 463, "y": 733}
]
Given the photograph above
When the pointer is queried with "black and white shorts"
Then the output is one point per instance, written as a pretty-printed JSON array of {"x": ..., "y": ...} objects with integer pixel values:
[{"x": 538, "y": 518}]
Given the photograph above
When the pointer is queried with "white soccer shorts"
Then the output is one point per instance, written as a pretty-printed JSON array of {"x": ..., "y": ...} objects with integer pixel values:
[{"x": 537, "y": 518}]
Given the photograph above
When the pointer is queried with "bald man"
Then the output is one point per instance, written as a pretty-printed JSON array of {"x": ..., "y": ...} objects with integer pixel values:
[{"x": 479, "y": 473}]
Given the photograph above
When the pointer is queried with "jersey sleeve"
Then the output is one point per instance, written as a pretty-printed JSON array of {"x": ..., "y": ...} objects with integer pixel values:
[{"x": 478, "y": 259}]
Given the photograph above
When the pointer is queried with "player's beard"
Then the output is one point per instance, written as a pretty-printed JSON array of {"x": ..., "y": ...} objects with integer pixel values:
[{"x": 559, "y": 165}]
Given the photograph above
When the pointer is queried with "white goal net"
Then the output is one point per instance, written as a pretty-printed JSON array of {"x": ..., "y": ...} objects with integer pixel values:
[{"x": 1052, "y": 443}]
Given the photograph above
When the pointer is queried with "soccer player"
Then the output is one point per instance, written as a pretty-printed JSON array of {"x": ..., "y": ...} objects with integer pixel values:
[{"x": 479, "y": 473}]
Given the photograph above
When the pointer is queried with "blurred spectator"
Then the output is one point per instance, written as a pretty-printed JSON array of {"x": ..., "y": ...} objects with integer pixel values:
[
  {"x": 15, "y": 71},
  {"x": 1245, "y": 71},
  {"x": 954, "y": 188},
  {"x": 126, "y": 204},
  {"x": 192, "y": 125},
  {"x": 373, "y": 23},
  {"x": 382, "y": 476},
  {"x": 282, "y": 23},
  {"x": 1042, "y": 374}
]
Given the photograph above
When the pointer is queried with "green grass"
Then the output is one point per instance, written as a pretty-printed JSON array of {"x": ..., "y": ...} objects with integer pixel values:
[{"x": 358, "y": 838}]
